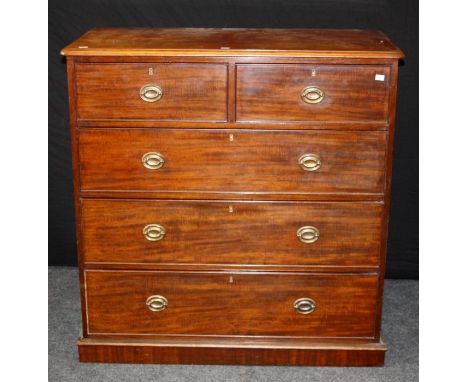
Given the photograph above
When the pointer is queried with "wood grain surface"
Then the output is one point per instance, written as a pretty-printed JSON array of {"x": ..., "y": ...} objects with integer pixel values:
[
  {"x": 272, "y": 92},
  {"x": 230, "y": 232},
  {"x": 234, "y": 303},
  {"x": 231, "y": 126},
  {"x": 253, "y": 161},
  {"x": 233, "y": 41},
  {"x": 190, "y": 91},
  {"x": 232, "y": 351}
]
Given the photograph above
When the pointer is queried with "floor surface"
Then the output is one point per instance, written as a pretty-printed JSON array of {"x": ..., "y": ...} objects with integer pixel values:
[{"x": 400, "y": 328}]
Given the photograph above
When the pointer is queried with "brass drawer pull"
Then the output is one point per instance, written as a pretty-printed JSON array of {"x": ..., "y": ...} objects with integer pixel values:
[
  {"x": 308, "y": 234},
  {"x": 310, "y": 162},
  {"x": 154, "y": 232},
  {"x": 153, "y": 160},
  {"x": 151, "y": 93},
  {"x": 312, "y": 94},
  {"x": 156, "y": 303},
  {"x": 304, "y": 305}
]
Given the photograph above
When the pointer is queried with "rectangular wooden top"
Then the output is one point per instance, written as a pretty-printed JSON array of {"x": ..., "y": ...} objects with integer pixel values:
[{"x": 351, "y": 43}]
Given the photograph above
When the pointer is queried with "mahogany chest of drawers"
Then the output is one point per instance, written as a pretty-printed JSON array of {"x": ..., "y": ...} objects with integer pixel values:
[{"x": 232, "y": 193}]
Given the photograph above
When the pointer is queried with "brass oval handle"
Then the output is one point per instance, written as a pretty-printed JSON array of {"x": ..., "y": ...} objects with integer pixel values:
[
  {"x": 310, "y": 162},
  {"x": 157, "y": 303},
  {"x": 153, "y": 160},
  {"x": 312, "y": 94},
  {"x": 154, "y": 232},
  {"x": 308, "y": 234},
  {"x": 151, "y": 93},
  {"x": 304, "y": 305}
]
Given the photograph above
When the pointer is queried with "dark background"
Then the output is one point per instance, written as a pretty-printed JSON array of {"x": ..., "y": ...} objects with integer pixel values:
[{"x": 397, "y": 18}]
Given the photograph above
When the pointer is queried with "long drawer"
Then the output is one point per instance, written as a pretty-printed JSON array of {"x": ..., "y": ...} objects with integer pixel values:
[
  {"x": 190, "y": 92},
  {"x": 308, "y": 162},
  {"x": 249, "y": 233},
  {"x": 243, "y": 304},
  {"x": 309, "y": 92}
]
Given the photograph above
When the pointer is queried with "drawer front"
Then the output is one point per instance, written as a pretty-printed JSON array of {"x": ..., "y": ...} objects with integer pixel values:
[
  {"x": 124, "y": 91},
  {"x": 232, "y": 161},
  {"x": 200, "y": 232},
  {"x": 202, "y": 303},
  {"x": 325, "y": 93}
]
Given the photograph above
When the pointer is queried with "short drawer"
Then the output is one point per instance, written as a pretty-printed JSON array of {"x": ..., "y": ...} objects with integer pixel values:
[
  {"x": 218, "y": 232},
  {"x": 324, "y": 93},
  {"x": 151, "y": 91},
  {"x": 306, "y": 162},
  {"x": 213, "y": 303}
]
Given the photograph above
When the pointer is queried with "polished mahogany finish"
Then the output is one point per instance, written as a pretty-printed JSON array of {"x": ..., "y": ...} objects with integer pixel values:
[
  {"x": 231, "y": 232},
  {"x": 350, "y": 43},
  {"x": 232, "y": 192},
  {"x": 272, "y": 92},
  {"x": 232, "y": 351},
  {"x": 231, "y": 160},
  {"x": 230, "y": 304},
  {"x": 189, "y": 91}
]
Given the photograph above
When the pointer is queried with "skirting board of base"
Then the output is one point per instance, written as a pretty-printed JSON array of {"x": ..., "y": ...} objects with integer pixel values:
[{"x": 228, "y": 352}]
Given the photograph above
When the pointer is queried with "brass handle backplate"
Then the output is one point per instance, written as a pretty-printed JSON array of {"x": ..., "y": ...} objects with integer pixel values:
[
  {"x": 151, "y": 93},
  {"x": 157, "y": 303},
  {"x": 304, "y": 305},
  {"x": 310, "y": 162},
  {"x": 154, "y": 232},
  {"x": 308, "y": 234},
  {"x": 153, "y": 160},
  {"x": 312, "y": 94}
]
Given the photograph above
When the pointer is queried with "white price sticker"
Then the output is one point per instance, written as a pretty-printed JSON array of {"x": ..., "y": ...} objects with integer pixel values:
[{"x": 380, "y": 77}]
